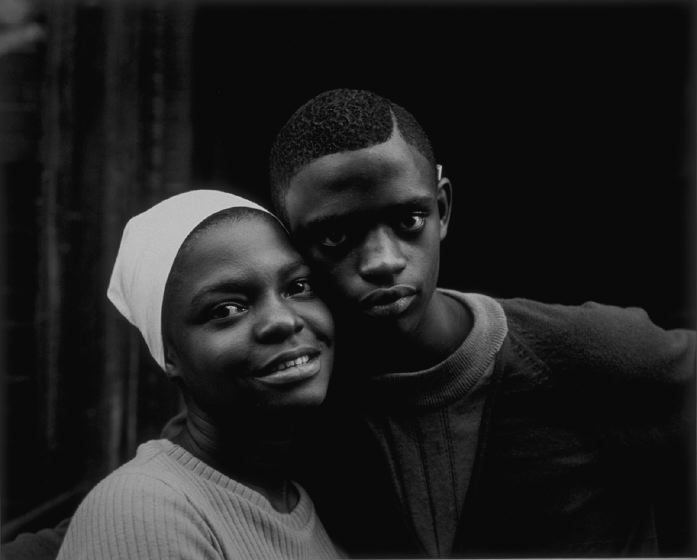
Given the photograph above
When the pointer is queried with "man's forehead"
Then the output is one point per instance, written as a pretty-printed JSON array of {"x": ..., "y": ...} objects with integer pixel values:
[{"x": 360, "y": 168}]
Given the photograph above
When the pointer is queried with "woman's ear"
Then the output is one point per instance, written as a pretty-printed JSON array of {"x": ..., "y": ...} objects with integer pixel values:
[
  {"x": 444, "y": 199},
  {"x": 172, "y": 363}
]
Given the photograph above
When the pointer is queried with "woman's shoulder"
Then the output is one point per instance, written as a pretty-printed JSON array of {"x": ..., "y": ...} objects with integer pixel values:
[
  {"x": 144, "y": 505},
  {"x": 150, "y": 477}
]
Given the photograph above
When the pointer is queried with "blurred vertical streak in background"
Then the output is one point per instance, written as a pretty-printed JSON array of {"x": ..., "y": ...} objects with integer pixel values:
[{"x": 95, "y": 127}]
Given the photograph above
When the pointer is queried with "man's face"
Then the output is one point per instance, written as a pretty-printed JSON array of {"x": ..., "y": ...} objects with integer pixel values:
[
  {"x": 246, "y": 328},
  {"x": 370, "y": 221}
]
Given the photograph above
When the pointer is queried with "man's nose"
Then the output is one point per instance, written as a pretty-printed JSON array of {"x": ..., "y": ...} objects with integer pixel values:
[
  {"x": 381, "y": 256},
  {"x": 276, "y": 320}
]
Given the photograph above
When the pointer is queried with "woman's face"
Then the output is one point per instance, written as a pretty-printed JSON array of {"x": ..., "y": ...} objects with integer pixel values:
[{"x": 243, "y": 325}]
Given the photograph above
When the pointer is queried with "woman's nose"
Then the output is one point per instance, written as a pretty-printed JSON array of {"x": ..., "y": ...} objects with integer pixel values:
[{"x": 277, "y": 320}]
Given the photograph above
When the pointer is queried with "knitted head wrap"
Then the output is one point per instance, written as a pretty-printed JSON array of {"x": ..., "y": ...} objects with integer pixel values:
[{"x": 149, "y": 245}]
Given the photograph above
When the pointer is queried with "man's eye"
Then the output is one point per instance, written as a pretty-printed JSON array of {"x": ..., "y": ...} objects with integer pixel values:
[
  {"x": 226, "y": 310},
  {"x": 300, "y": 287},
  {"x": 332, "y": 239},
  {"x": 412, "y": 222}
]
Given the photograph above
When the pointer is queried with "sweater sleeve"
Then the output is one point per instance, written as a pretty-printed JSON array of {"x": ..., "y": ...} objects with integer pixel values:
[
  {"x": 632, "y": 379},
  {"x": 634, "y": 383},
  {"x": 131, "y": 516}
]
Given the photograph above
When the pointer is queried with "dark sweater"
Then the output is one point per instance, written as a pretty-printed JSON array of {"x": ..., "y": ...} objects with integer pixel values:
[
  {"x": 429, "y": 424},
  {"x": 586, "y": 419}
]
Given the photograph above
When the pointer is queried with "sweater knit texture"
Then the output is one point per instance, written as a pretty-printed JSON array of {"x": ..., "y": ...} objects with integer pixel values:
[
  {"x": 553, "y": 431},
  {"x": 435, "y": 427},
  {"x": 588, "y": 430},
  {"x": 165, "y": 503}
]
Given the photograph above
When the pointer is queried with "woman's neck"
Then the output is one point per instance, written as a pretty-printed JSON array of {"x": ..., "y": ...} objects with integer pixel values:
[{"x": 254, "y": 451}]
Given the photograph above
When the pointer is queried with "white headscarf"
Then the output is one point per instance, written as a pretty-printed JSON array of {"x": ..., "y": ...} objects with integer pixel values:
[{"x": 149, "y": 244}]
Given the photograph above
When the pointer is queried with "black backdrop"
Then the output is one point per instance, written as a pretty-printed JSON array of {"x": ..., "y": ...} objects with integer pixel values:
[{"x": 566, "y": 128}]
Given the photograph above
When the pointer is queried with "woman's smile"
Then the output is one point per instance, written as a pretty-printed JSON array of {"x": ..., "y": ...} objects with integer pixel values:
[{"x": 286, "y": 371}]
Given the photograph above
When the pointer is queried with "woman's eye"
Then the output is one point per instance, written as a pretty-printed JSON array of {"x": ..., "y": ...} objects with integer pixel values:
[
  {"x": 226, "y": 310},
  {"x": 412, "y": 222},
  {"x": 300, "y": 287},
  {"x": 333, "y": 239}
]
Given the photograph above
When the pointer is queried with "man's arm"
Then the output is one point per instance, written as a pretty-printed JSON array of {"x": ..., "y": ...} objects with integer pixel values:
[{"x": 635, "y": 383}]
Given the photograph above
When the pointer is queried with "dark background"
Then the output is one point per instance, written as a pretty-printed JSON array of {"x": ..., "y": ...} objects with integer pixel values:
[{"x": 567, "y": 129}]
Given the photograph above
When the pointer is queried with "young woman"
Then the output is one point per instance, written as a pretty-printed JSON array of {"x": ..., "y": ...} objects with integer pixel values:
[{"x": 227, "y": 309}]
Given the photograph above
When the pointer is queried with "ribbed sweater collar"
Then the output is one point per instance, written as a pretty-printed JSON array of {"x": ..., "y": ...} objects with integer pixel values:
[
  {"x": 297, "y": 519},
  {"x": 452, "y": 378}
]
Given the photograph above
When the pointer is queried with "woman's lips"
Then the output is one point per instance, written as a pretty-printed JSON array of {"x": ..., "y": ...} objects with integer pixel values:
[
  {"x": 291, "y": 369},
  {"x": 388, "y": 302}
]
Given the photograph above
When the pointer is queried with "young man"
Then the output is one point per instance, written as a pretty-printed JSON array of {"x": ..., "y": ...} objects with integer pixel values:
[{"x": 462, "y": 425}]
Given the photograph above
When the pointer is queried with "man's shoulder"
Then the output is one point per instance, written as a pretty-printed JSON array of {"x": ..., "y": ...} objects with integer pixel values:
[
  {"x": 607, "y": 339},
  {"x": 529, "y": 315}
]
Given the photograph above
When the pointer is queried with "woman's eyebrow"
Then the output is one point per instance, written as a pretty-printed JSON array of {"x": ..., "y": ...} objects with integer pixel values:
[
  {"x": 241, "y": 283},
  {"x": 292, "y": 267},
  {"x": 225, "y": 286}
]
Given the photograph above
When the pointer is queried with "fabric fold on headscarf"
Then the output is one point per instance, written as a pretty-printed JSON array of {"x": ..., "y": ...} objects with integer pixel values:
[{"x": 149, "y": 245}]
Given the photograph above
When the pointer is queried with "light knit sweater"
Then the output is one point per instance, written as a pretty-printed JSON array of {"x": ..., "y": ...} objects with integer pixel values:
[{"x": 167, "y": 504}]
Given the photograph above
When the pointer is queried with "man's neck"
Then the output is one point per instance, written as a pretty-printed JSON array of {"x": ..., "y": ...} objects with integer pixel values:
[{"x": 442, "y": 330}]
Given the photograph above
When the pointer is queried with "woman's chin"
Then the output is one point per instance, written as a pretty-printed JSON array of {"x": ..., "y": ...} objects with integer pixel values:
[{"x": 305, "y": 399}]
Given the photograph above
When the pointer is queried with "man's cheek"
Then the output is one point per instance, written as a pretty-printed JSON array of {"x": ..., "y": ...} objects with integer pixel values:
[{"x": 339, "y": 282}]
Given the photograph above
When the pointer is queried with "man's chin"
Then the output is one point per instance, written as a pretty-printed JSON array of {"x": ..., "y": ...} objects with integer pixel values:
[{"x": 372, "y": 328}]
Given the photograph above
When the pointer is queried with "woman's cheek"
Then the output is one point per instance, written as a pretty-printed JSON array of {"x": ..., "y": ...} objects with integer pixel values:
[{"x": 320, "y": 320}]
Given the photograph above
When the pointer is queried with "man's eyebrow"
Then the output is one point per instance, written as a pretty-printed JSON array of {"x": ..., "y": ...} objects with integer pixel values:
[{"x": 329, "y": 221}]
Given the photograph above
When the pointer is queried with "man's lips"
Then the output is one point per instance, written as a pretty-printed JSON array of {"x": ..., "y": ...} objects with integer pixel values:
[
  {"x": 290, "y": 367},
  {"x": 386, "y": 302}
]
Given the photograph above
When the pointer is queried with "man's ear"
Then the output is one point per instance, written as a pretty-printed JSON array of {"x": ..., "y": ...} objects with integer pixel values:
[{"x": 444, "y": 199}]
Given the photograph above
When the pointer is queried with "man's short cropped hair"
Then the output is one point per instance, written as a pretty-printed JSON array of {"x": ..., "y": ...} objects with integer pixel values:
[{"x": 335, "y": 121}]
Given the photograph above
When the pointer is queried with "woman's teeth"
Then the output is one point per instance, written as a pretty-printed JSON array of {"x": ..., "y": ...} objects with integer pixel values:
[
  {"x": 292, "y": 363},
  {"x": 292, "y": 371}
]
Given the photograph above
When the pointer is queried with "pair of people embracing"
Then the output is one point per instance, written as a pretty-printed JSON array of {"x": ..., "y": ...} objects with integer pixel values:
[{"x": 455, "y": 424}]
